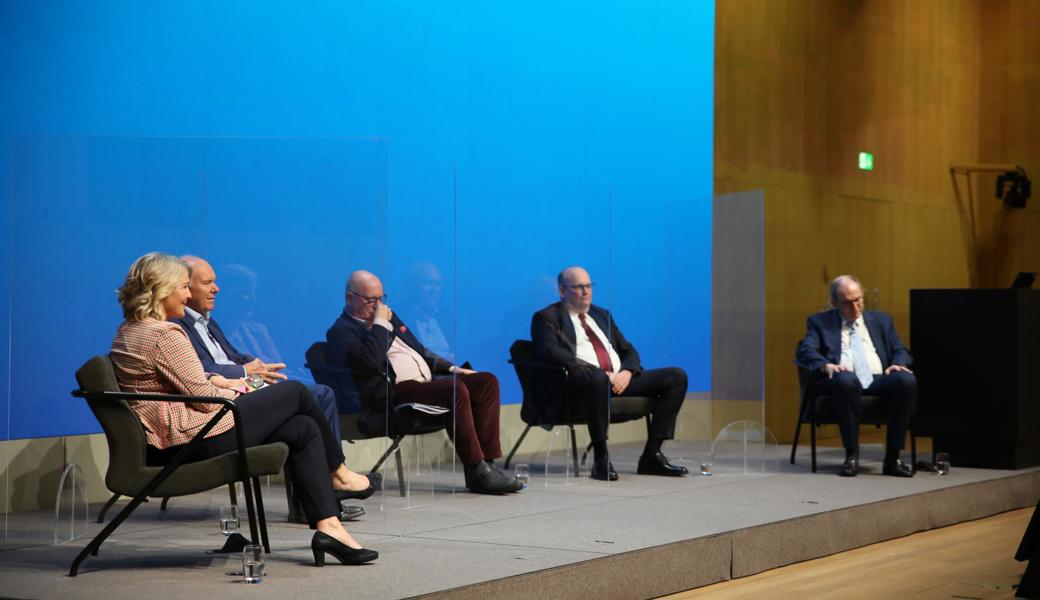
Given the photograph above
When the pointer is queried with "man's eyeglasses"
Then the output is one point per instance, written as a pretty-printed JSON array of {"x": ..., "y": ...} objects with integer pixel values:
[
  {"x": 581, "y": 287},
  {"x": 372, "y": 299}
]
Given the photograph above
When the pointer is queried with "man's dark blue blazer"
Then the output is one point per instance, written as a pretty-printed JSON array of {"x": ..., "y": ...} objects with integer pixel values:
[
  {"x": 209, "y": 365},
  {"x": 822, "y": 342},
  {"x": 555, "y": 343}
]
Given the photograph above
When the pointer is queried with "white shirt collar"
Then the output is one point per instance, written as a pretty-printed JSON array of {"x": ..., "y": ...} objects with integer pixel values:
[{"x": 197, "y": 316}]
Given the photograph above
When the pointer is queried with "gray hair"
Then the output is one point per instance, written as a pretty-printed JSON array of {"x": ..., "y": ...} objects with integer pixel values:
[{"x": 840, "y": 281}]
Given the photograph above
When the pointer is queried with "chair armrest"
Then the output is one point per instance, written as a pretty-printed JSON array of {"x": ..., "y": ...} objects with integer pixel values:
[
  {"x": 226, "y": 406},
  {"x": 539, "y": 365},
  {"x": 150, "y": 397},
  {"x": 182, "y": 454}
]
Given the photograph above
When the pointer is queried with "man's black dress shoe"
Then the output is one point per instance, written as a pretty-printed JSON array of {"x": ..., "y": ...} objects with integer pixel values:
[
  {"x": 322, "y": 543},
  {"x": 850, "y": 467},
  {"x": 603, "y": 470},
  {"x": 896, "y": 468},
  {"x": 658, "y": 465},
  {"x": 483, "y": 478},
  {"x": 374, "y": 480},
  {"x": 351, "y": 513}
]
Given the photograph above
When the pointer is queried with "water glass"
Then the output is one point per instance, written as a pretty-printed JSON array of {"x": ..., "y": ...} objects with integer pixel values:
[
  {"x": 253, "y": 568},
  {"x": 523, "y": 474},
  {"x": 228, "y": 519},
  {"x": 942, "y": 463},
  {"x": 707, "y": 462}
]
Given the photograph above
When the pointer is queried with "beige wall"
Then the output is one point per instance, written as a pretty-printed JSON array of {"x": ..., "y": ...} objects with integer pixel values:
[
  {"x": 31, "y": 469},
  {"x": 803, "y": 85}
]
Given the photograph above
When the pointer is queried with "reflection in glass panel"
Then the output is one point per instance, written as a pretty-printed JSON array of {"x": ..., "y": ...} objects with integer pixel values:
[
  {"x": 286, "y": 222},
  {"x": 512, "y": 270}
]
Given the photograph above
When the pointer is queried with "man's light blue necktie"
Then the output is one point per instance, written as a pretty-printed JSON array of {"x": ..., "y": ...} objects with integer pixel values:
[{"x": 859, "y": 358}]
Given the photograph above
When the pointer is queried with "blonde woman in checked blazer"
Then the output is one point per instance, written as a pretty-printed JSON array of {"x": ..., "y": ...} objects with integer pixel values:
[{"x": 152, "y": 355}]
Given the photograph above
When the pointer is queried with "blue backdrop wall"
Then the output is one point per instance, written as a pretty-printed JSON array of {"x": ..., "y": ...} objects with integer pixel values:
[{"x": 465, "y": 151}]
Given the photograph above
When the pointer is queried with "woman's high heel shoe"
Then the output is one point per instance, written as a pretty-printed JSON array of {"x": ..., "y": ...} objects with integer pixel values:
[
  {"x": 374, "y": 480},
  {"x": 322, "y": 543}
]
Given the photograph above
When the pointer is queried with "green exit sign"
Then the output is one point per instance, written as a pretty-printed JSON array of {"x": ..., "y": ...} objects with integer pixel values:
[{"x": 866, "y": 161}]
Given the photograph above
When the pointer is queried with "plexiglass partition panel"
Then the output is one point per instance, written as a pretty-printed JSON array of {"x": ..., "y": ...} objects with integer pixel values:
[
  {"x": 286, "y": 220},
  {"x": 686, "y": 330},
  {"x": 82, "y": 209},
  {"x": 738, "y": 333},
  {"x": 420, "y": 284},
  {"x": 514, "y": 240},
  {"x": 279, "y": 220}
]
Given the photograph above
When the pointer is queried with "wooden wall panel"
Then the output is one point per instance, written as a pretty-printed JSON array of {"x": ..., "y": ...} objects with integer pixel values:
[{"x": 803, "y": 85}]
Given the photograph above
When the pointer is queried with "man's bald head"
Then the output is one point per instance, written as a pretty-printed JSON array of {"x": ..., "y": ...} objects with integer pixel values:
[
  {"x": 364, "y": 291},
  {"x": 575, "y": 288},
  {"x": 203, "y": 284}
]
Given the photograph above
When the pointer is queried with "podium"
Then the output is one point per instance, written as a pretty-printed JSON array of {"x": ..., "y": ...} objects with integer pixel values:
[{"x": 977, "y": 361}]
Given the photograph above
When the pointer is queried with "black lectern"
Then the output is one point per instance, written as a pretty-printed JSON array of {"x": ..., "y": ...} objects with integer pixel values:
[{"x": 977, "y": 361}]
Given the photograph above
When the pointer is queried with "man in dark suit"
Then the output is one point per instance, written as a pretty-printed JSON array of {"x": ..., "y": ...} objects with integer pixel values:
[
  {"x": 852, "y": 353},
  {"x": 219, "y": 356},
  {"x": 390, "y": 367},
  {"x": 575, "y": 334}
]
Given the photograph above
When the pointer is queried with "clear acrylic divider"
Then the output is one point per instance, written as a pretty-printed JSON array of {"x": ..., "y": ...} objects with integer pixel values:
[
  {"x": 738, "y": 334},
  {"x": 686, "y": 325},
  {"x": 552, "y": 225},
  {"x": 71, "y": 506},
  {"x": 82, "y": 210},
  {"x": 420, "y": 280},
  {"x": 744, "y": 447},
  {"x": 285, "y": 222}
]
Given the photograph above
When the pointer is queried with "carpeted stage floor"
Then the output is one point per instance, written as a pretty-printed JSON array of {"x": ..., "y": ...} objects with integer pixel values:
[{"x": 640, "y": 537}]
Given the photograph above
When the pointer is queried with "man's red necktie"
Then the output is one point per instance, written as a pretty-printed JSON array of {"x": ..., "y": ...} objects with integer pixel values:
[{"x": 601, "y": 351}]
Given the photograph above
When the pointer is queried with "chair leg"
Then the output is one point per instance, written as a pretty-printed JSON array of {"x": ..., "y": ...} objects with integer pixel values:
[
  {"x": 516, "y": 446},
  {"x": 95, "y": 544},
  {"x": 574, "y": 449},
  {"x": 812, "y": 437},
  {"x": 165, "y": 501},
  {"x": 400, "y": 474},
  {"x": 261, "y": 516},
  {"x": 232, "y": 494},
  {"x": 250, "y": 508},
  {"x": 108, "y": 505},
  {"x": 794, "y": 444},
  {"x": 392, "y": 448}
]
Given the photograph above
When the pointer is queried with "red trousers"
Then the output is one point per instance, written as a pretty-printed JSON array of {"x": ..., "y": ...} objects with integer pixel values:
[{"x": 473, "y": 402}]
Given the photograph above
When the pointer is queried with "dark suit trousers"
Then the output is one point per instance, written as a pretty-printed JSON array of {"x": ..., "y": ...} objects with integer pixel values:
[
  {"x": 899, "y": 388},
  {"x": 474, "y": 405},
  {"x": 589, "y": 390},
  {"x": 287, "y": 413},
  {"x": 325, "y": 398}
]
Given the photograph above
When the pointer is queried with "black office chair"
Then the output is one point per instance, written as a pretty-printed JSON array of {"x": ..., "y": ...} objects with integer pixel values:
[
  {"x": 129, "y": 474},
  {"x": 405, "y": 421},
  {"x": 819, "y": 411},
  {"x": 544, "y": 385}
]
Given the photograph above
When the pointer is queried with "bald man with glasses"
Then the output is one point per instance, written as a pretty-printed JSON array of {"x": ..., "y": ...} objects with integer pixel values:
[
  {"x": 582, "y": 337},
  {"x": 391, "y": 367}
]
